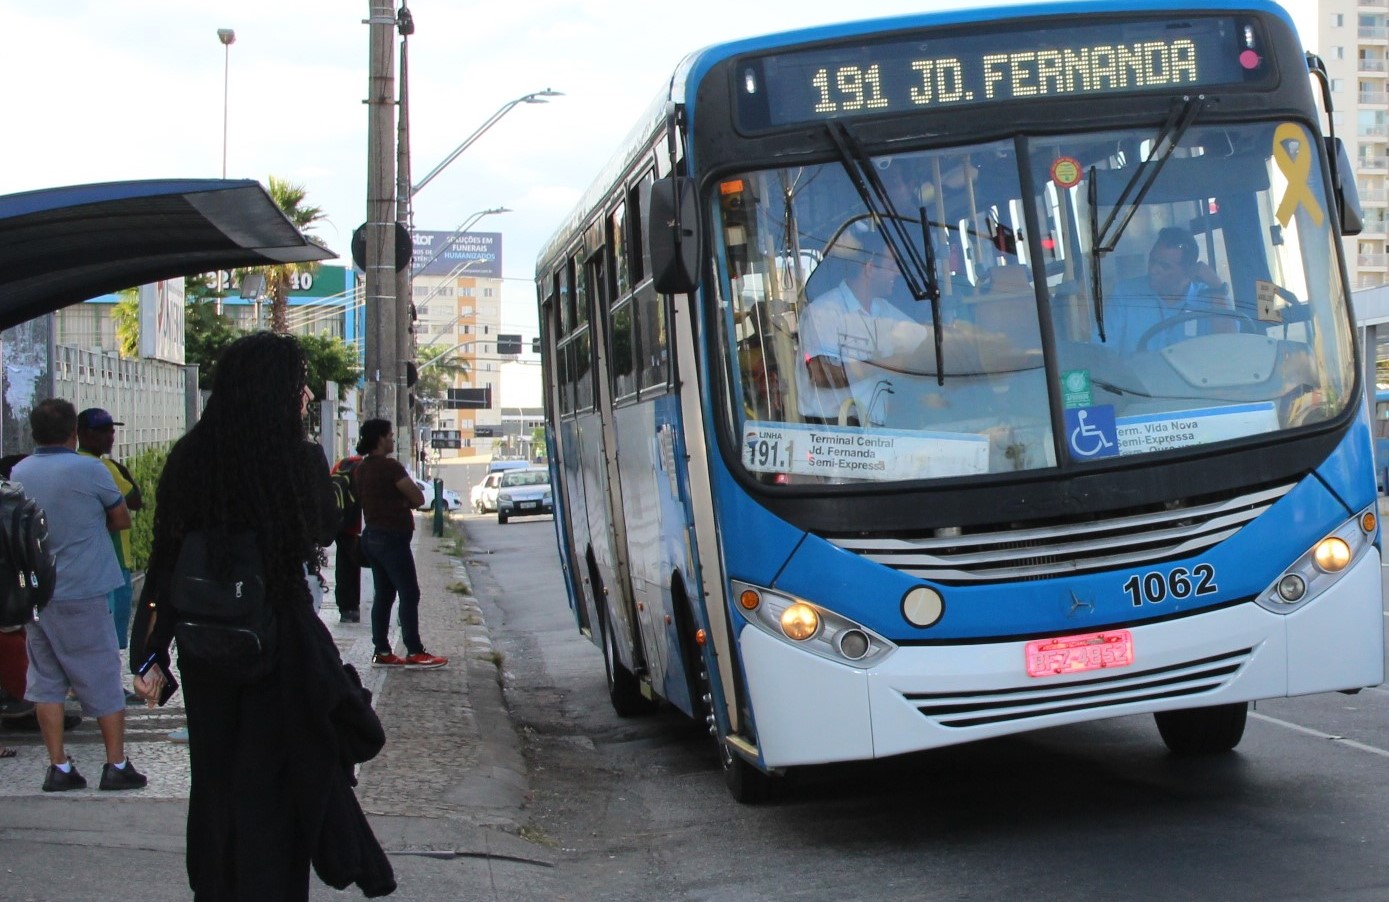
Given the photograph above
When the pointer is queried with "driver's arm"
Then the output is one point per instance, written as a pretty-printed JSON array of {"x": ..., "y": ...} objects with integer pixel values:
[{"x": 826, "y": 372}]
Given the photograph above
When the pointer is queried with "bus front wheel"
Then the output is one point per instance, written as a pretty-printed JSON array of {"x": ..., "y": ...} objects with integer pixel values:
[
  {"x": 747, "y": 784},
  {"x": 1203, "y": 731}
]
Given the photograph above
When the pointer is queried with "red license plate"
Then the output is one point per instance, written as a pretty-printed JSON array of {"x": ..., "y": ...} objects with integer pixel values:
[{"x": 1077, "y": 654}]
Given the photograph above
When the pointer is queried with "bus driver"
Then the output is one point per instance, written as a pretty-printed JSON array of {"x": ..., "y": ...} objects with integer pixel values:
[
  {"x": 853, "y": 321},
  {"x": 1177, "y": 283}
]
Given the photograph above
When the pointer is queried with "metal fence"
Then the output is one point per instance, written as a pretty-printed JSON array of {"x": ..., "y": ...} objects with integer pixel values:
[{"x": 148, "y": 396}]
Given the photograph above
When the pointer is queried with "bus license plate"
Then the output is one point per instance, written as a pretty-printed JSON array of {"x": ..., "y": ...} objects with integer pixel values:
[{"x": 1077, "y": 654}]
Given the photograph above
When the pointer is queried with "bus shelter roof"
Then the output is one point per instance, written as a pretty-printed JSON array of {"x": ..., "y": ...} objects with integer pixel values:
[{"x": 60, "y": 246}]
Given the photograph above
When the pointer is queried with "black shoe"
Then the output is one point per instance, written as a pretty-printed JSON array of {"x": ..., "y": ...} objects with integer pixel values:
[
  {"x": 57, "y": 781},
  {"x": 117, "y": 778},
  {"x": 15, "y": 707},
  {"x": 350, "y": 617},
  {"x": 29, "y": 723}
]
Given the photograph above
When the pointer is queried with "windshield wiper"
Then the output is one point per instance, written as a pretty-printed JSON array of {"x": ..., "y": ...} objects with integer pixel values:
[
  {"x": 918, "y": 265},
  {"x": 1125, "y": 207}
]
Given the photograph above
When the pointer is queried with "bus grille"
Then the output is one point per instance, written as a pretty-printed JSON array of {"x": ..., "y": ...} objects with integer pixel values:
[
  {"x": 1003, "y": 555},
  {"x": 972, "y": 709}
]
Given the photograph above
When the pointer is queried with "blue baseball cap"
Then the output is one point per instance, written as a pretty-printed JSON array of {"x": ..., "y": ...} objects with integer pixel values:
[{"x": 95, "y": 418}]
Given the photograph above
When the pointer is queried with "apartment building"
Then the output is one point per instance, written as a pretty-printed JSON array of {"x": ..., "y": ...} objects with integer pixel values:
[{"x": 1353, "y": 39}]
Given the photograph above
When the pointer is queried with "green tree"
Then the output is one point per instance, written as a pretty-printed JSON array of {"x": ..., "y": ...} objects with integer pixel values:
[
  {"x": 127, "y": 313},
  {"x": 278, "y": 279},
  {"x": 127, "y": 319},
  {"x": 330, "y": 359},
  {"x": 205, "y": 333},
  {"x": 438, "y": 368}
]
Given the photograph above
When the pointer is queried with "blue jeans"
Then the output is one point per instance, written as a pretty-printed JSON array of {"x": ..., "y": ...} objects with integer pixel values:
[{"x": 393, "y": 572}]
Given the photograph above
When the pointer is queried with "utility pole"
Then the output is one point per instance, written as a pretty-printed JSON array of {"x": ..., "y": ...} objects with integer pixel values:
[
  {"x": 405, "y": 286},
  {"x": 384, "y": 368}
]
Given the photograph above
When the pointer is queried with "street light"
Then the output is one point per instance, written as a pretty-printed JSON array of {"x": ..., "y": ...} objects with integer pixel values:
[
  {"x": 536, "y": 97},
  {"x": 227, "y": 37}
]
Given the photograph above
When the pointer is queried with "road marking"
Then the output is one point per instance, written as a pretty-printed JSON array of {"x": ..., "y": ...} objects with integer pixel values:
[{"x": 1298, "y": 728}]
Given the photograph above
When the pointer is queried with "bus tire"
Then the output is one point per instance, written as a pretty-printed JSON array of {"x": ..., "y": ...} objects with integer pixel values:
[
  {"x": 624, "y": 691},
  {"x": 1203, "y": 731},
  {"x": 747, "y": 784}
]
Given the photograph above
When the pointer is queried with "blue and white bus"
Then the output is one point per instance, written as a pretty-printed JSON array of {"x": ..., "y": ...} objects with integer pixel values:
[{"x": 942, "y": 377}]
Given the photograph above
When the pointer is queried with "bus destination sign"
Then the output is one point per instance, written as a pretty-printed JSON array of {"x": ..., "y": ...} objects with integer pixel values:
[{"x": 938, "y": 70}]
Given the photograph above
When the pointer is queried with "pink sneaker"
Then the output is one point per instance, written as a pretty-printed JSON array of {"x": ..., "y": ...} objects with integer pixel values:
[{"x": 423, "y": 661}]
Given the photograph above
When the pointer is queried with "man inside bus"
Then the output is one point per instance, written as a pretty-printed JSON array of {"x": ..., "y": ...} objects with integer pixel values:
[
  {"x": 851, "y": 321},
  {"x": 1177, "y": 285}
]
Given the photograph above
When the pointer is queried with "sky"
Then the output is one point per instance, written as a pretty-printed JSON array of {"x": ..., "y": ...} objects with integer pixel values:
[{"x": 107, "y": 91}]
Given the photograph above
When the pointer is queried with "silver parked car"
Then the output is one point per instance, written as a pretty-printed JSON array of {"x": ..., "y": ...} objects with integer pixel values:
[{"x": 524, "y": 493}]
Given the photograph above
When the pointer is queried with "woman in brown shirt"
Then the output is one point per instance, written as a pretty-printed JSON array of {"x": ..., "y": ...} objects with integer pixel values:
[{"x": 389, "y": 497}]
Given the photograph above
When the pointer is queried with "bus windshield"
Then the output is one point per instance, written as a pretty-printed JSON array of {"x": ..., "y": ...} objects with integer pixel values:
[{"x": 922, "y": 315}]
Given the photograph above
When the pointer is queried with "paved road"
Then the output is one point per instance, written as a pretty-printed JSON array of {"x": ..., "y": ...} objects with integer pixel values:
[{"x": 638, "y": 810}]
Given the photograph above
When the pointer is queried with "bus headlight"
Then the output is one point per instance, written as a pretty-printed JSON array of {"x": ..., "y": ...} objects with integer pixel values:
[
  {"x": 1321, "y": 566},
  {"x": 800, "y": 621},
  {"x": 1332, "y": 554},
  {"x": 810, "y": 627}
]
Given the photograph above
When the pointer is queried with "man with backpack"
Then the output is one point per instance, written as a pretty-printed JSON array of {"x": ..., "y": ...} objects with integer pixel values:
[
  {"x": 347, "y": 568},
  {"x": 72, "y": 645}
]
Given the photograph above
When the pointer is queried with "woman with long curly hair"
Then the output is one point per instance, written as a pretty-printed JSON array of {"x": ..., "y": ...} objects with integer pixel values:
[{"x": 271, "y": 752}]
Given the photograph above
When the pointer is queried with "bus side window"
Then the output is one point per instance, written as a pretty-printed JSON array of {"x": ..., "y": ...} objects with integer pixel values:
[
  {"x": 624, "y": 373},
  {"x": 565, "y": 380},
  {"x": 639, "y": 203},
  {"x": 653, "y": 339},
  {"x": 618, "y": 247},
  {"x": 566, "y": 300},
  {"x": 581, "y": 366},
  {"x": 581, "y": 295},
  {"x": 621, "y": 359}
]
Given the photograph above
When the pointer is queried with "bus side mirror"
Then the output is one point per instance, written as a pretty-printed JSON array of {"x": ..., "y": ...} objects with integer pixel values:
[
  {"x": 673, "y": 235},
  {"x": 1347, "y": 196}
]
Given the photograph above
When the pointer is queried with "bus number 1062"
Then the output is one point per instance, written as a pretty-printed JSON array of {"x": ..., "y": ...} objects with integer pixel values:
[{"x": 1155, "y": 587}]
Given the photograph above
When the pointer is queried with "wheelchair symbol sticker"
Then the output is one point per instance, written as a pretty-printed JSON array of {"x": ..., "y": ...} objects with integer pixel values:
[{"x": 1090, "y": 432}]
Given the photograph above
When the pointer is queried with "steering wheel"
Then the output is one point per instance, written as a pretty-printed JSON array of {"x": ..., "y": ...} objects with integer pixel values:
[{"x": 1245, "y": 323}]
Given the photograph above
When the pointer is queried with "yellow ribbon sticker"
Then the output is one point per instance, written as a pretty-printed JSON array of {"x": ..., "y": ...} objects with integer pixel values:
[{"x": 1297, "y": 170}]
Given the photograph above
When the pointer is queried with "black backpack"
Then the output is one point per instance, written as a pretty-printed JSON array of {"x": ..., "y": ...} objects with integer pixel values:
[
  {"x": 345, "y": 493},
  {"x": 27, "y": 568},
  {"x": 225, "y": 622}
]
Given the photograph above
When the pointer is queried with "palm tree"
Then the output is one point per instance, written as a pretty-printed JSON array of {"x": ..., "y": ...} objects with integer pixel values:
[
  {"x": 127, "y": 320},
  {"x": 290, "y": 199}
]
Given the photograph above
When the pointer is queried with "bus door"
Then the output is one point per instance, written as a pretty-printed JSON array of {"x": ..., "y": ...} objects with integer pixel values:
[
  {"x": 631, "y": 626},
  {"x": 559, "y": 404}
]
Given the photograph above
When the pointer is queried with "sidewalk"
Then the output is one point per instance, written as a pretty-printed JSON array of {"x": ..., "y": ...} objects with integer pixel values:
[{"x": 445, "y": 796}]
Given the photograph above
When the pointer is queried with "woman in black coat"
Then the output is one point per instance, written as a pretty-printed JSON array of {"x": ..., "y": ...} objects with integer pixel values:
[{"x": 273, "y": 737}]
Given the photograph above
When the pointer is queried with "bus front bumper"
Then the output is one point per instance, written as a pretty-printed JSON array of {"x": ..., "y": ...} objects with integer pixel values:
[{"x": 810, "y": 710}]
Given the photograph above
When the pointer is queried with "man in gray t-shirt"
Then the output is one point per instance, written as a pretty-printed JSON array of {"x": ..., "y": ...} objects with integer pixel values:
[{"x": 71, "y": 645}]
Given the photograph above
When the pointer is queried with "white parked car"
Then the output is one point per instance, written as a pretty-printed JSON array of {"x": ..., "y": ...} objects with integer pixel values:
[
  {"x": 452, "y": 500},
  {"x": 483, "y": 497}
]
